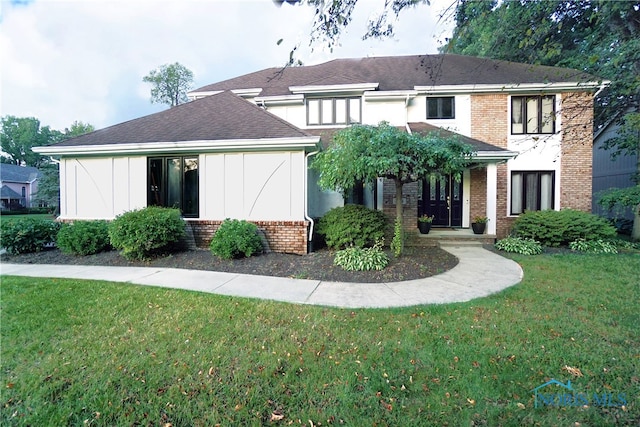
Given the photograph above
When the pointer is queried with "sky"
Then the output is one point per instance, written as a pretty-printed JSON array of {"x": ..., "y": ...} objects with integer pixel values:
[{"x": 83, "y": 60}]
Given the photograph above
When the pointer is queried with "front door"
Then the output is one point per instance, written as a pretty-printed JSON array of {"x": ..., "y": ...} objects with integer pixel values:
[{"x": 442, "y": 198}]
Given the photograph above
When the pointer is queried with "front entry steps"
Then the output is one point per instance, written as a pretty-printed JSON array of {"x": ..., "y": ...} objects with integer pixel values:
[{"x": 449, "y": 236}]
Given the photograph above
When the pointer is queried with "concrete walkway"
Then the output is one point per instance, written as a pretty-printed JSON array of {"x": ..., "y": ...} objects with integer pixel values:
[{"x": 479, "y": 273}]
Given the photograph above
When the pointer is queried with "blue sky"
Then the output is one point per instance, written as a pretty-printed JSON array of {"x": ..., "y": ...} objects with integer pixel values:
[{"x": 67, "y": 60}]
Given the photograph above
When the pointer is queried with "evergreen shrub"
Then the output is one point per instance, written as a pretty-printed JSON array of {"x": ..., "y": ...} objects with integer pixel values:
[
  {"x": 25, "y": 235},
  {"x": 352, "y": 225},
  {"x": 236, "y": 239},
  {"x": 84, "y": 237}
]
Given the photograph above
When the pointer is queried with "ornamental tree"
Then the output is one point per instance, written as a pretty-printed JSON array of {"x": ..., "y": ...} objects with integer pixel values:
[
  {"x": 365, "y": 152},
  {"x": 170, "y": 82}
]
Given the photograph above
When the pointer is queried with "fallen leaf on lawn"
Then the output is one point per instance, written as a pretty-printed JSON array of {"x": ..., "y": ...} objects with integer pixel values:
[
  {"x": 573, "y": 371},
  {"x": 521, "y": 405},
  {"x": 276, "y": 416}
]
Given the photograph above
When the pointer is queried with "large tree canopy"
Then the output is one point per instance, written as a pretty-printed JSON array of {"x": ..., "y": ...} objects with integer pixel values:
[
  {"x": 170, "y": 84},
  {"x": 19, "y": 135},
  {"x": 365, "y": 152}
]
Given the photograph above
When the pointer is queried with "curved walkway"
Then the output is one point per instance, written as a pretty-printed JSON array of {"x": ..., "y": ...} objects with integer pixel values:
[{"x": 479, "y": 273}]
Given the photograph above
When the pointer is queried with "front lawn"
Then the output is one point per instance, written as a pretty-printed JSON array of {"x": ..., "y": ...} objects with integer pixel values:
[{"x": 97, "y": 353}]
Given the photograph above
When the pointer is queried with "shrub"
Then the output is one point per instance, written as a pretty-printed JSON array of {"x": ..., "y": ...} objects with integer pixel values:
[
  {"x": 397, "y": 242},
  {"x": 352, "y": 225},
  {"x": 519, "y": 245},
  {"x": 143, "y": 232},
  {"x": 557, "y": 228},
  {"x": 84, "y": 237},
  {"x": 24, "y": 235},
  {"x": 594, "y": 246},
  {"x": 362, "y": 259},
  {"x": 235, "y": 239}
]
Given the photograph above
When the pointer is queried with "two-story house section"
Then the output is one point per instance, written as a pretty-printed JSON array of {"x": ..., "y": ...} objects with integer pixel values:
[{"x": 242, "y": 147}]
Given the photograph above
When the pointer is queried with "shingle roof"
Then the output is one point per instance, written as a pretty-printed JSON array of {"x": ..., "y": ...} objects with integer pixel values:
[
  {"x": 401, "y": 73},
  {"x": 218, "y": 117},
  {"x": 425, "y": 128},
  {"x": 15, "y": 173},
  {"x": 8, "y": 193}
]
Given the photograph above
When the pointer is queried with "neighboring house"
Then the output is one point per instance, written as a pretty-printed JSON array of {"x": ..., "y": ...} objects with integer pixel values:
[
  {"x": 242, "y": 147},
  {"x": 18, "y": 186},
  {"x": 612, "y": 173}
]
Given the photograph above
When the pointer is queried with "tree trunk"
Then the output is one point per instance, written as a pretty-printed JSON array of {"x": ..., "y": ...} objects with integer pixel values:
[{"x": 399, "y": 209}]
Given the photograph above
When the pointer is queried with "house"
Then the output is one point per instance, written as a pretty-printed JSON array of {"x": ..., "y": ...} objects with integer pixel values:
[
  {"x": 18, "y": 185},
  {"x": 612, "y": 173},
  {"x": 242, "y": 147}
]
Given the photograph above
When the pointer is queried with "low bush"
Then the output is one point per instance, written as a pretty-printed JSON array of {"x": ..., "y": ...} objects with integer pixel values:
[
  {"x": 24, "y": 235},
  {"x": 519, "y": 245},
  {"x": 236, "y": 239},
  {"x": 352, "y": 225},
  {"x": 141, "y": 233},
  {"x": 594, "y": 246},
  {"x": 84, "y": 237},
  {"x": 559, "y": 228},
  {"x": 362, "y": 259}
]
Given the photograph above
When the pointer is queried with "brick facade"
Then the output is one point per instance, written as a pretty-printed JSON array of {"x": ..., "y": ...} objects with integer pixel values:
[
  {"x": 478, "y": 192},
  {"x": 409, "y": 203},
  {"x": 282, "y": 236},
  {"x": 576, "y": 152}
]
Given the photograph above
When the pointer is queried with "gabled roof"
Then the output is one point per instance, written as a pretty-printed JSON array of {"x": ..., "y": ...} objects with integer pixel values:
[
  {"x": 8, "y": 193},
  {"x": 219, "y": 117},
  {"x": 402, "y": 73},
  {"x": 15, "y": 173}
]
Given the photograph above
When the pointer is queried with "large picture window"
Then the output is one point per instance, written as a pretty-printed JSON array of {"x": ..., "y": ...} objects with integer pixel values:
[
  {"x": 333, "y": 111},
  {"x": 441, "y": 108},
  {"x": 531, "y": 191},
  {"x": 533, "y": 114},
  {"x": 173, "y": 182}
]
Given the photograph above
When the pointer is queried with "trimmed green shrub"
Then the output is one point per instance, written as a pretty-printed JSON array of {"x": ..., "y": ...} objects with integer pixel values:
[
  {"x": 559, "y": 228},
  {"x": 24, "y": 235},
  {"x": 236, "y": 239},
  {"x": 352, "y": 225},
  {"x": 519, "y": 245},
  {"x": 84, "y": 237},
  {"x": 141, "y": 233},
  {"x": 594, "y": 246},
  {"x": 362, "y": 259}
]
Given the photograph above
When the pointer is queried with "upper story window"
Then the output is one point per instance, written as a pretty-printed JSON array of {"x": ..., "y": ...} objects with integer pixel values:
[
  {"x": 441, "y": 108},
  {"x": 533, "y": 114},
  {"x": 333, "y": 111}
]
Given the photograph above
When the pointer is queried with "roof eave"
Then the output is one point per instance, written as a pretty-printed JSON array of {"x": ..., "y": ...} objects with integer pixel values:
[
  {"x": 205, "y": 146},
  {"x": 341, "y": 88},
  {"x": 512, "y": 88},
  {"x": 493, "y": 156}
]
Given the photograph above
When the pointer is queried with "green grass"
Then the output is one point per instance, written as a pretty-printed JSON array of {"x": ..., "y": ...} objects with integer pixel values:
[
  {"x": 97, "y": 353},
  {"x": 36, "y": 216}
]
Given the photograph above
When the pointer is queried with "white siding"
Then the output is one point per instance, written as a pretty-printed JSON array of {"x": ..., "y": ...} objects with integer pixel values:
[
  {"x": 101, "y": 188},
  {"x": 252, "y": 186}
]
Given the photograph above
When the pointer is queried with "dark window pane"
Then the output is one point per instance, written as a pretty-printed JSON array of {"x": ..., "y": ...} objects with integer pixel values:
[
  {"x": 156, "y": 187},
  {"x": 190, "y": 197},
  {"x": 174, "y": 184}
]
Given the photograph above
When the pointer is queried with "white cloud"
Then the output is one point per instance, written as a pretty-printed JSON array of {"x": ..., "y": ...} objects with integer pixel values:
[{"x": 84, "y": 60}]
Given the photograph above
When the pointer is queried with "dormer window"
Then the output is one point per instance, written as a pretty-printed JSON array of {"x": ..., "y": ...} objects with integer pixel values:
[{"x": 333, "y": 111}]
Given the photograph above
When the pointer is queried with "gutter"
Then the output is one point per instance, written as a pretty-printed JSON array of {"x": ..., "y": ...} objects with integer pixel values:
[{"x": 306, "y": 193}]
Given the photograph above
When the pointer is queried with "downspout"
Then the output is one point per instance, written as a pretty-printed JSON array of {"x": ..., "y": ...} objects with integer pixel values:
[
  {"x": 406, "y": 113},
  {"x": 306, "y": 193}
]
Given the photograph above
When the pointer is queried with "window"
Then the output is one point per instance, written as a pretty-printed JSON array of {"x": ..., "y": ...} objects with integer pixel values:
[
  {"x": 533, "y": 114},
  {"x": 531, "y": 191},
  {"x": 333, "y": 111},
  {"x": 441, "y": 108},
  {"x": 173, "y": 182},
  {"x": 24, "y": 191}
]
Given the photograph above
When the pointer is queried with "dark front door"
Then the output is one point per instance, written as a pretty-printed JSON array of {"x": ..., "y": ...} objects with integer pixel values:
[{"x": 442, "y": 198}]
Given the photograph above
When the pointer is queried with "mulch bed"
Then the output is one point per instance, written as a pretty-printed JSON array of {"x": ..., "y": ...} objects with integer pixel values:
[{"x": 416, "y": 263}]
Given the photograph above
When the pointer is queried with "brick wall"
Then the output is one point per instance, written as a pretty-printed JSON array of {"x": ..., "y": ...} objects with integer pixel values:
[
  {"x": 576, "y": 152},
  {"x": 489, "y": 123},
  {"x": 282, "y": 236}
]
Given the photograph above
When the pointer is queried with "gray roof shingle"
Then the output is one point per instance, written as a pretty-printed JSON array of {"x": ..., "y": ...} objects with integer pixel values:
[
  {"x": 401, "y": 73},
  {"x": 218, "y": 117},
  {"x": 15, "y": 173}
]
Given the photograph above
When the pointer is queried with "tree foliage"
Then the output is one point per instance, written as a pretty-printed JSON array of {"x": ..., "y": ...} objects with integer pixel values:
[
  {"x": 365, "y": 152},
  {"x": 170, "y": 84},
  {"x": 332, "y": 17},
  {"x": 19, "y": 135}
]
